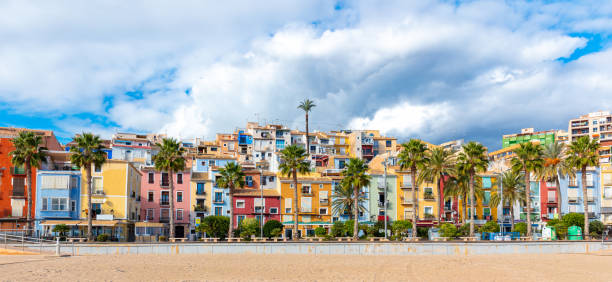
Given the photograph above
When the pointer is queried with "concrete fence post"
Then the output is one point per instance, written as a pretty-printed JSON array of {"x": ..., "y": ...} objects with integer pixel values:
[{"x": 57, "y": 246}]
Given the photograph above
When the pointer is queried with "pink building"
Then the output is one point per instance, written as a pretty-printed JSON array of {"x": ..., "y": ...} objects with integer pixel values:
[
  {"x": 155, "y": 203},
  {"x": 248, "y": 204}
]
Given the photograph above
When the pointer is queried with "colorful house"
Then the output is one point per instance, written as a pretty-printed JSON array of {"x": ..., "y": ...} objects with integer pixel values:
[
  {"x": 115, "y": 200},
  {"x": 255, "y": 203},
  {"x": 314, "y": 204},
  {"x": 606, "y": 195},
  {"x": 426, "y": 194},
  {"x": 201, "y": 188},
  {"x": 155, "y": 202},
  {"x": 483, "y": 210},
  {"x": 572, "y": 196}
]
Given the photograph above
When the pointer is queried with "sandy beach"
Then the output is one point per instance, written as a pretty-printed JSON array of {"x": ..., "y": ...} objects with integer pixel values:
[{"x": 530, "y": 267}]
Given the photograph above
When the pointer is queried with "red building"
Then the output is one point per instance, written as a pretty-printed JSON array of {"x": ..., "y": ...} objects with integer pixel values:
[
  {"x": 548, "y": 200},
  {"x": 248, "y": 204},
  {"x": 13, "y": 187}
]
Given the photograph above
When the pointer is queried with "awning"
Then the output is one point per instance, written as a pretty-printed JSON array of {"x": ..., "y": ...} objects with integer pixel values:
[
  {"x": 99, "y": 223},
  {"x": 149, "y": 224},
  {"x": 308, "y": 223},
  {"x": 58, "y": 222}
]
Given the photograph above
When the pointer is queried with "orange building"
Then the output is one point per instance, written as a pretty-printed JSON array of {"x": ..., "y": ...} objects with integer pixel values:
[{"x": 13, "y": 189}]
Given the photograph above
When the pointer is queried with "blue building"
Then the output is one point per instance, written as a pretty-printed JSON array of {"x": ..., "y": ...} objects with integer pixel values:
[
  {"x": 58, "y": 200},
  {"x": 219, "y": 196},
  {"x": 572, "y": 198}
]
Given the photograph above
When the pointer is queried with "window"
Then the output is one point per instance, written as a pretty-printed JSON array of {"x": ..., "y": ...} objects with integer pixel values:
[
  {"x": 240, "y": 204},
  {"x": 151, "y": 197},
  {"x": 239, "y": 219},
  {"x": 486, "y": 182},
  {"x": 164, "y": 179},
  {"x": 288, "y": 205},
  {"x": 306, "y": 204},
  {"x": 388, "y": 143},
  {"x": 150, "y": 213},
  {"x": 589, "y": 179},
  {"x": 151, "y": 177},
  {"x": 322, "y": 211},
  {"x": 165, "y": 198},
  {"x": 218, "y": 197},
  {"x": 179, "y": 214},
  {"x": 44, "y": 204},
  {"x": 73, "y": 205},
  {"x": 211, "y": 162},
  {"x": 274, "y": 210},
  {"x": 487, "y": 197},
  {"x": 59, "y": 204},
  {"x": 264, "y": 181},
  {"x": 320, "y": 186},
  {"x": 179, "y": 196},
  {"x": 428, "y": 210},
  {"x": 200, "y": 189},
  {"x": 97, "y": 168},
  {"x": 306, "y": 189},
  {"x": 218, "y": 211},
  {"x": 179, "y": 178},
  {"x": 96, "y": 208},
  {"x": 249, "y": 180},
  {"x": 486, "y": 212},
  {"x": 164, "y": 214}
]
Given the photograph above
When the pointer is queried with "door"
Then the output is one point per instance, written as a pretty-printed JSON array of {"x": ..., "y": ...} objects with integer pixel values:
[{"x": 179, "y": 231}]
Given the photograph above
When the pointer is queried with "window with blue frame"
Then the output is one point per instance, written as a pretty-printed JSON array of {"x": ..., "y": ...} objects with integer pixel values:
[
  {"x": 96, "y": 208},
  {"x": 388, "y": 143},
  {"x": 218, "y": 197},
  {"x": 487, "y": 197},
  {"x": 200, "y": 189},
  {"x": 249, "y": 180},
  {"x": 486, "y": 182},
  {"x": 218, "y": 211},
  {"x": 280, "y": 144}
]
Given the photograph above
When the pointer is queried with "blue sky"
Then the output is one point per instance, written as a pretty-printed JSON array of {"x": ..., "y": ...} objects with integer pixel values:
[{"x": 436, "y": 70}]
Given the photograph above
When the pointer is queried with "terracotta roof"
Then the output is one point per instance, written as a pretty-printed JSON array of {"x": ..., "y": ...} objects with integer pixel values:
[{"x": 256, "y": 192}]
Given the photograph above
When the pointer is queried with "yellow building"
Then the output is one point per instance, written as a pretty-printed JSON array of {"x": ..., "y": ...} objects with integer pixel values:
[
  {"x": 426, "y": 194},
  {"x": 200, "y": 198},
  {"x": 115, "y": 199},
  {"x": 606, "y": 201},
  {"x": 483, "y": 210},
  {"x": 314, "y": 203}
]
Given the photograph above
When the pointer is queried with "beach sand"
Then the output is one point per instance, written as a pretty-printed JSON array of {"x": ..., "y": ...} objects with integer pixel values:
[{"x": 249, "y": 267}]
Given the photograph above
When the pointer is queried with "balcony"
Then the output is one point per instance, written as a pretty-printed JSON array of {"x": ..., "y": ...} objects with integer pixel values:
[
  {"x": 164, "y": 203},
  {"x": 407, "y": 201},
  {"x": 305, "y": 210},
  {"x": 406, "y": 185},
  {"x": 552, "y": 200},
  {"x": 324, "y": 201},
  {"x": 199, "y": 208},
  {"x": 164, "y": 219},
  {"x": 17, "y": 170},
  {"x": 381, "y": 186},
  {"x": 98, "y": 193},
  {"x": 592, "y": 215},
  {"x": 429, "y": 197},
  {"x": 165, "y": 184},
  {"x": 306, "y": 192},
  {"x": 572, "y": 199},
  {"x": 218, "y": 201},
  {"x": 200, "y": 193}
]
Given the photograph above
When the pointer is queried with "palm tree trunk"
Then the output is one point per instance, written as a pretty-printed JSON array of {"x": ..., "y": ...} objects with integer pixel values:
[
  {"x": 171, "y": 180},
  {"x": 511, "y": 218},
  {"x": 438, "y": 201},
  {"x": 558, "y": 196},
  {"x": 471, "y": 204},
  {"x": 307, "y": 139},
  {"x": 415, "y": 204},
  {"x": 464, "y": 212},
  {"x": 89, "y": 206},
  {"x": 29, "y": 183},
  {"x": 295, "y": 205},
  {"x": 230, "y": 232},
  {"x": 356, "y": 212},
  {"x": 528, "y": 202},
  {"x": 585, "y": 200}
]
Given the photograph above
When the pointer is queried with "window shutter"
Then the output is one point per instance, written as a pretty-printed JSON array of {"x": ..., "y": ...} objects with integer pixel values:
[
  {"x": 323, "y": 195},
  {"x": 288, "y": 203}
]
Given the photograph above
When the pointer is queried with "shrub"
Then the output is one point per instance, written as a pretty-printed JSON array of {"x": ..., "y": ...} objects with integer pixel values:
[
  {"x": 269, "y": 226},
  {"x": 320, "y": 232},
  {"x": 490, "y": 226},
  {"x": 372, "y": 231},
  {"x": 400, "y": 227},
  {"x": 448, "y": 230},
  {"x": 348, "y": 227},
  {"x": 560, "y": 228},
  {"x": 102, "y": 238},
  {"x": 276, "y": 232},
  {"x": 338, "y": 229},
  {"x": 596, "y": 227},
  {"x": 163, "y": 238},
  {"x": 248, "y": 228},
  {"x": 423, "y": 232},
  {"x": 521, "y": 227},
  {"x": 574, "y": 218},
  {"x": 61, "y": 229},
  {"x": 215, "y": 226},
  {"x": 464, "y": 230}
]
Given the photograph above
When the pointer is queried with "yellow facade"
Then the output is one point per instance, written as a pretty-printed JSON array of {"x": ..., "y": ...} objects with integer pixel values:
[
  {"x": 426, "y": 194},
  {"x": 196, "y": 198},
  {"x": 314, "y": 203},
  {"x": 116, "y": 187},
  {"x": 482, "y": 205},
  {"x": 606, "y": 200}
]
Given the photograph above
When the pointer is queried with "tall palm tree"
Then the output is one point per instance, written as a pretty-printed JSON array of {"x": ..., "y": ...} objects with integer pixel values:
[
  {"x": 307, "y": 106},
  {"x": 28, "y": 153},
  {"x": 458, "y": 186},
  {"x": 355, "y": 176},
  {"x": 88, "y": 152},
  {"x": 555, "y": 166},
  {"x": 170, "y": 159},
  {"x": 293, "y": 161},
  {"x": 440, "y": 163},
  {"x": 473, "y": 159},
  {"x": 343, "y": 199},
  {"x": 528, "y": 159},
  {"x": 232, "y": 177},
  {"x": 583, "y": 153},
  {"x": 413, "y": 156},
  {"x": 513, "y": 191}
]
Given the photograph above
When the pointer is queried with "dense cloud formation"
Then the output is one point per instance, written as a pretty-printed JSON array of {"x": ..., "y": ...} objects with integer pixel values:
[{"x": 436, "y": 70}]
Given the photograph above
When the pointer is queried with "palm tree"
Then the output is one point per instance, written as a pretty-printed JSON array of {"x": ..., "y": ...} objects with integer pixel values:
[
  {"x": 513, "y": 191},
  {"x": 231, "y": 176},
  {"x": 528, "y": 159},
  {"x": 343, "y": 199},
  {"x": 28, "y": 153},
  {"x": 458, "y": 186},
  {"x": 441, "y": 163},
  {"x": 583, "y": 153},
  {"x": 355, "y": 176},
  {"x": 555, "y": 166},
  {"x": 473, "y": 159},
  {"x": 88, "y": 152},
  {"x": 293, "y": 161},
  {"x": 170, "y": 159},
  {"x": 413, "y": 156},
  {"x": 307, "y": 106}
]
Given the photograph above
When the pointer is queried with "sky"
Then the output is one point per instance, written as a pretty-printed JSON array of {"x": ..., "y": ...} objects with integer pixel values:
[{"x": 434, "y": 70}]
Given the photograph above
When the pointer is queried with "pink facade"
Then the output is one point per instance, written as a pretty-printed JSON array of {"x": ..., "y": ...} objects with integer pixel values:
[
  {"x": 247, "y": 205},
  {"x": 155, "y": 193}
]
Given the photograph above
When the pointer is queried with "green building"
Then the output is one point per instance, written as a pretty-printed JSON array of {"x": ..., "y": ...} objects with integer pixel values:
[{"x": 528, "y": 135}]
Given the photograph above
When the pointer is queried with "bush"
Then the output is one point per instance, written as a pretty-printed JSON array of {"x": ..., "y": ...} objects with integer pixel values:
[
  {"x": 338, "y": 229},
  {"x": 521, "y": 227},
  {"x": 448, "y": 230},
  {"x": 372, "y": 231},
  {"x": 574, "y": 218},
  {"x": 248, "y": 228},
  {"x": 490, "y": 226},
  {"x": 61, "y": 229},
  {"x": 276, "y": 232},
  {"x": 163, "y": 238},
  {"x": 560, "y": 228},
  {"x": 215, "y": 226},
  {"x": 102, "y": 238},
  {"x": 464, "y": 230},
  {"x": 320, "y": 232},
  {"x": 400, "y": 227},
  {"x": 423, "y": 232},
  {"x": 596, "y": 227},
  {"x": 269, "y": 226},
  {"x": 348, "y": 227}
]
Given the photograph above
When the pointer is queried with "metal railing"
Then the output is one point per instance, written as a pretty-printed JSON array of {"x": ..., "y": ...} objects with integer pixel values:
[{"x": 11, "y": 239}]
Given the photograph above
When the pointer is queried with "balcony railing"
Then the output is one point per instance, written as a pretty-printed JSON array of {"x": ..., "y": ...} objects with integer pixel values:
[
  {"x": 305, "y": 210},
  {"x": 381, "y": 186},
  {"x": 218, "y": 201},
  {"x": 324, "y": 201},
  {"x": 406, "y": 185},
  {"x": 164, "y": 219},
  {"x": 199, "y": 208},
  {"x": 18, "y": 192},
  {"x": 98, "y": 192},
  {"x": 164, "y": 203},
  {"x": 429, "y": 196},
  {"x": 200, "y": 192},
  {"x": 165, "y": 184},
  {"x": 592, "y": 215},
  {"x": 17, "y": 170}
]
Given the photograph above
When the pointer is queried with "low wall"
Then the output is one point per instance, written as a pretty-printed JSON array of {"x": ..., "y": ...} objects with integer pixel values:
[{"x": 449, "y": 248}]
